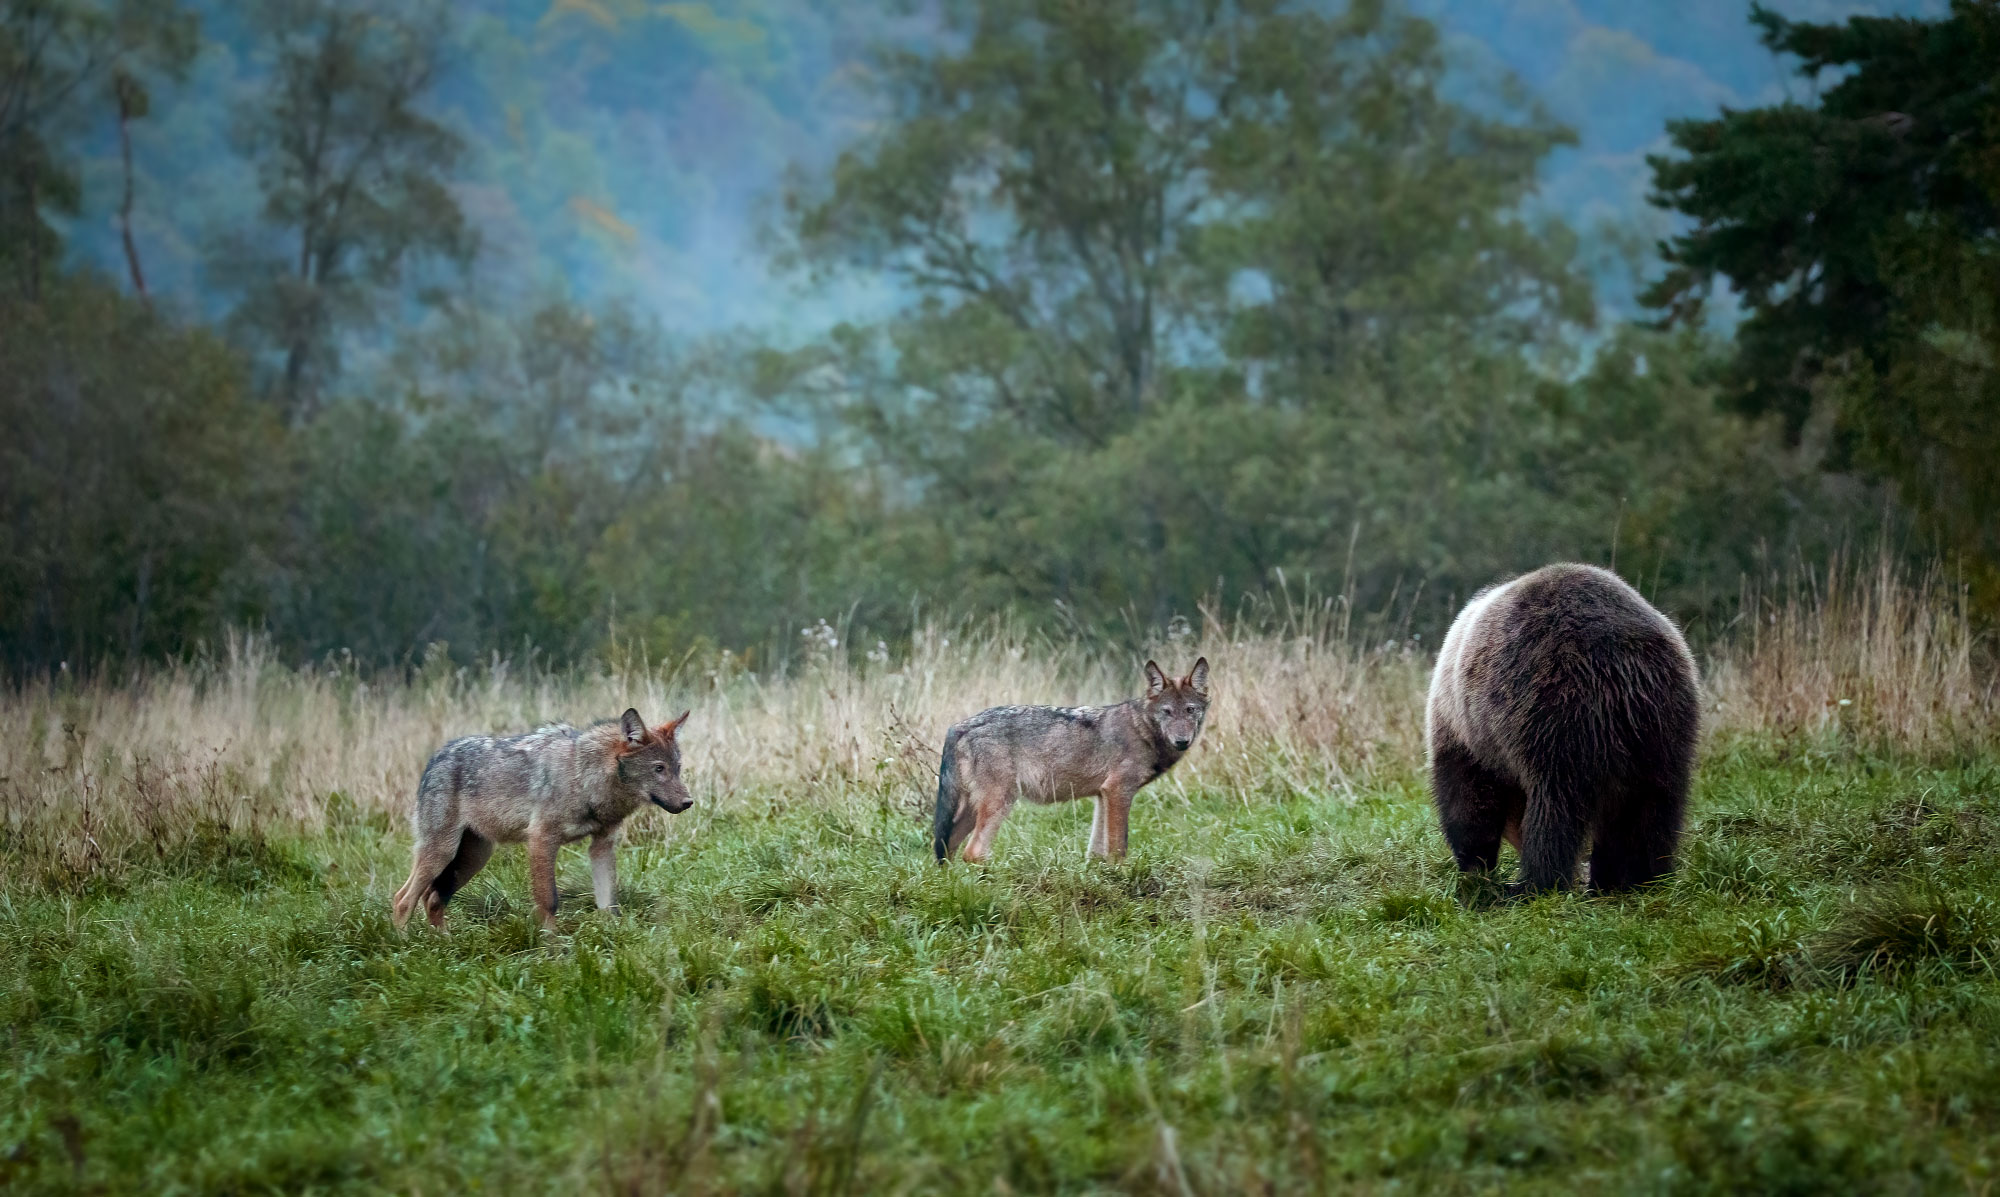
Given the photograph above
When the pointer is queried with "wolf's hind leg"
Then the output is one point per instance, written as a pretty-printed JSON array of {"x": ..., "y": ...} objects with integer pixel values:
[
  {"x": 474, "y": 850},
  {"x": 962, "y": 824},
  {"x": 989, "y": 808},
  {"x": 434, "y": 853}
]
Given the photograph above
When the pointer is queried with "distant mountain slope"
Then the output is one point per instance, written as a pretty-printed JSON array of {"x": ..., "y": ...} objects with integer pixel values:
[
  {"x": 627, "y": 147},
  {"x": 1618, "y": 70}
]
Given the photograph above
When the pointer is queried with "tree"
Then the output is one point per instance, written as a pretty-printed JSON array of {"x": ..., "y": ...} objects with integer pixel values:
[
  {"x": 53, "y": 54},
  {"x": 1383, "y": 219},
  {"x": 136, "y": 482},
  {"x": 1038, "y": 189},
  {"x": 354, "y": 177},
  {"x": 1196, "y": 287},
  {"x": 1859, "y": 234}
]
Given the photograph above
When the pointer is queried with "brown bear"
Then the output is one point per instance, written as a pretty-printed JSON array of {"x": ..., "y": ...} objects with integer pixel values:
[{"x": 1563, "y": 707}]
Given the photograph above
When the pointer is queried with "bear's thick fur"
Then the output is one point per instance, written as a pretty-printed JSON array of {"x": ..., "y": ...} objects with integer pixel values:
[{"x": 1564, "y": 707}]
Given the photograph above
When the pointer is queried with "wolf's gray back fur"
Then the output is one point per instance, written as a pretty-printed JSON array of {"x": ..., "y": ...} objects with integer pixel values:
[
  {"x": 1055, "y": 754},
  {"x": 493, "y": 784}
]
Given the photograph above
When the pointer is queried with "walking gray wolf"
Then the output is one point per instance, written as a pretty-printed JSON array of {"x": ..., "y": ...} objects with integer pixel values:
[
  {"x": 1563, "y": 707},
  {"x": 549, "y": 787},
  {"x": 1054, "y": 754}
]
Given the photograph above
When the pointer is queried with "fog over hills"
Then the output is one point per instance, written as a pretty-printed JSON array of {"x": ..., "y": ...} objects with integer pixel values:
[
  {"x": 623, "y": 148},
  {"x": 1617, "y": 70}
]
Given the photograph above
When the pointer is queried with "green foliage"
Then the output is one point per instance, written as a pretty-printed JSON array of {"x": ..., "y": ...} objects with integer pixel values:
[
  {"x": 136, "y": 482},
  {"x": 354, "y": 178},
  {"x": 55, "y": 55},
  {"x": 1203, "y": 300},
  {"x": 1383, "y": 218},
  {"x": 1282, "y": 995},
  {"x": 1859, "y": 234},
  {"x": 1038, "y": 189},
  {"x": 1210, "y": 296},
  {"x": 1928, "y": 413},
  {"x": 553, "y": 481}
]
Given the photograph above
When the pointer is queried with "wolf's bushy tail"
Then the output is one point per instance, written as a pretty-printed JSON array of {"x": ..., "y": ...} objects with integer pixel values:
[{"x": 947, "y": 798}]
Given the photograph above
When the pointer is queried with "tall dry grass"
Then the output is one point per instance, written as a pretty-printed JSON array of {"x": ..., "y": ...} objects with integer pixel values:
[
  {"x": 1860, "y": 654},
  {"x": 95, "y": 776}
]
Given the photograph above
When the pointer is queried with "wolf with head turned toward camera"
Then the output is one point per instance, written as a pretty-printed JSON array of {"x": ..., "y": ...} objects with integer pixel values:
[{"x": 1055, "y": 754}]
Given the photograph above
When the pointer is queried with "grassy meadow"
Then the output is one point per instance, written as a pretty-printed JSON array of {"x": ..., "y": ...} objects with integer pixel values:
[{"x": 1285, "y": 988}]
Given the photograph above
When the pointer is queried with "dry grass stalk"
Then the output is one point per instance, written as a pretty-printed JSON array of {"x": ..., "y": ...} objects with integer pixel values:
[
  {"x": 1860, "y": 654},
  {"x": 91, "y": 774}
]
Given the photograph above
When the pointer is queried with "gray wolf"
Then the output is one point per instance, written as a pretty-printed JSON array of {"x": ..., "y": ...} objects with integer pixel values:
[
  {"x": 1563, "y": 707},
  {"x": 549, "y": 787},
  {"x": 1054, "y": 754}
]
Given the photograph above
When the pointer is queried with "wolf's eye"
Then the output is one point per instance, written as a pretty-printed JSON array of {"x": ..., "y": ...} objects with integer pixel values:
[{"x": 659, "y": 767}]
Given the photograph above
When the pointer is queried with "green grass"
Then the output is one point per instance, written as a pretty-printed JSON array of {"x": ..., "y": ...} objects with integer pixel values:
[{"x": 1292, "y": 996}]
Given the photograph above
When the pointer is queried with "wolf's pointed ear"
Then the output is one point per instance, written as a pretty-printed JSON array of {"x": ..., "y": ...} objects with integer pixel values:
[
  {"x": 1197, "y": 678},
  {"x": 672, "y": 725},
  {"x": 1155, "y": 680},
  {"x": 633, "y": 726}
]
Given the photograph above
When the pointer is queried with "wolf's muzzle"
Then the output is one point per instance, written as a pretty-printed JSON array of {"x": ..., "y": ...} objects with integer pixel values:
[
  {"x": 1181, "y": 745},
  {"x": 672, "y": 810}
]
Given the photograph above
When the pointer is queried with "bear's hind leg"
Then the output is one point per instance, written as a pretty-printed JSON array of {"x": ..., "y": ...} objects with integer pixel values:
[
  {"x": 1638, "y": 834},
  {"x": 1552, "y": 831},
  {"x": 1474, "y": 804}
]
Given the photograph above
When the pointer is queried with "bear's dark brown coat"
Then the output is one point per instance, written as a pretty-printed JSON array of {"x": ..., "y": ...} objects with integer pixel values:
[{"x": 1563, "y": 707}]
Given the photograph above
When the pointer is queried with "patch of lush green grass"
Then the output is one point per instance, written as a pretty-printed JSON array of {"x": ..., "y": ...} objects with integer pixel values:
[{"x": 1288, "y": 995}]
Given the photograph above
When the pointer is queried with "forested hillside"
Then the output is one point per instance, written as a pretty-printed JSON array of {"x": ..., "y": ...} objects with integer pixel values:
[
  {"x": 628, "y": 148},
  {"x": 608, "y": 327},
  {"x": 618, "y": 148}
]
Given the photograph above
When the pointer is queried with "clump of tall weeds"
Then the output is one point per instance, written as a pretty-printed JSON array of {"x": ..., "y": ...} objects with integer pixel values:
[
  {"x": 1863, "y": 654},
  {"x": 197, "y": 763}
]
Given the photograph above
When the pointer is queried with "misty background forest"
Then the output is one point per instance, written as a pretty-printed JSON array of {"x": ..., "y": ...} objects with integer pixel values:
[
  {"x": 583, "y": 328},
  {"x": 376, "y": 372}
]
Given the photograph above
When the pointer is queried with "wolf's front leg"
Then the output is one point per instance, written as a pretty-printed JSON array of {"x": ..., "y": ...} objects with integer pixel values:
[
  {"x": 542, "y": 845},
  {"x": 1114, "y": 812},
  {"x": 1097, "y": 846},
  {"x": 604, "y": 869}
]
